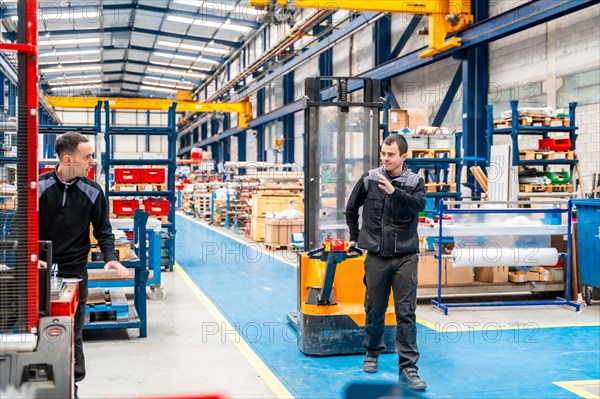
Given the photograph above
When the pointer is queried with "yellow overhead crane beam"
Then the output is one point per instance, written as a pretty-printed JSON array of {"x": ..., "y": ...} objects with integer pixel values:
[
  {"x": 445, "y": 16},
  {"x": 243, "y": 108}
]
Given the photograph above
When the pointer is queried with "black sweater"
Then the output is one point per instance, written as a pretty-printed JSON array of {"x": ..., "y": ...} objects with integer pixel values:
[
  {"x": 389, "y": 221},
  {"x": 65, "y": 214}
]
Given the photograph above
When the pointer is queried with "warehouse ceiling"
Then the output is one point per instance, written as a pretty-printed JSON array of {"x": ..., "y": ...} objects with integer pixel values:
[{"x": 146, "y": 48}]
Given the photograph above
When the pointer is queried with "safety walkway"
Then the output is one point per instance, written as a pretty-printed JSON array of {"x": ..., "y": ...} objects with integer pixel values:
[{"x": 514, "y": 353}]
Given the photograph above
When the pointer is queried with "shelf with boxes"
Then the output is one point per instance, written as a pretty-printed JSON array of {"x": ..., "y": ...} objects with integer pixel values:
[
  {"x": 142, "y": 255},
  {"x": 491, "y": 237},
  {"x": 272, "y": 199},
  {"x": 144, "y": 183},
  {"x": 437, "y": 157},
  {"x": 533, "y": 171}
]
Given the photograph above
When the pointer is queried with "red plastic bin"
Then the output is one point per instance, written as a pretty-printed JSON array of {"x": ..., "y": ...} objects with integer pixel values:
[
  {"x": 127, "y": 175},
  {"x": 152, "y": 175},
  {"x": 555, "y": 144},
  {"x": 125, "y": 207},
  {"x": 157, "y": 207},
  {"x": 196, "y": 153},
  {"x": 67, "y": 301}
]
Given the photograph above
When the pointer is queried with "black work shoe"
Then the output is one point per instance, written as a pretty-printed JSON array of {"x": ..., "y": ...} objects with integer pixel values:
[
  {"x": 370, "y": 363},
  {"x": 410, "y": 378}
]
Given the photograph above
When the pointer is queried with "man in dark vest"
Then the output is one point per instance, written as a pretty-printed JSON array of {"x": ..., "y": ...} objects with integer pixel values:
[
  {"x": 391, "y": 198},
  {"x": 68, "y": 203}
]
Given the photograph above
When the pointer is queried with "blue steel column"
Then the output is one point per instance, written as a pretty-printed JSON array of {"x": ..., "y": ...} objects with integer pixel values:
[
  {"x": 12, "y": 99},
  {"x": 2, "y": 94},
  {"x": 382, "y": 40},
  {"x": 475, "y": 71},
  {"x": 260, "y": 130},
  {"x": 214, "y": 148},
  {"x": 288, "y": 120},
  {"x": 204, "y": 132},
  {"x": 242, "y": 146},
  {"x": 2, "y": 91},
  {"x": 226, "y": 142},
  {"x": 195, "y": 135},
  {"x": 326, "y": 57},
  {"x": 148, "y": 137}
]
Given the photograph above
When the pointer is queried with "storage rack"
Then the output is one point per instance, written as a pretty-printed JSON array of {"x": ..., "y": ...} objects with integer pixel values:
[
  {"x": 457, "y": 230},
  {"x": 137, "y": 317},
  {"x": 168, "y": 242},
  {"x": 516, "y": 129},
  {"x": 91, "y": 130},
  {"x": 437, "y": 165}
]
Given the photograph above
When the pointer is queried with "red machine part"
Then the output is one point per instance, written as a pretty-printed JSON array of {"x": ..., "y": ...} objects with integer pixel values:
[{"x": 334, "y": 245}]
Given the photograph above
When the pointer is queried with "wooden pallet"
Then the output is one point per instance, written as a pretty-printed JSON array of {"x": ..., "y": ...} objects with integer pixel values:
[
  {"x": 431, "y": 153},
  {"x": 532, "y": 121},
  {"x": 546, "y": 188},
  {"x": 105, "y": 303},
  {"x": 440, "y": 187},
  {"x": 419, "y": 153},
  {"x": 274, "y": 246},
  {"x": 162, "y": 218},
  {"x": 547, "y": 155}
]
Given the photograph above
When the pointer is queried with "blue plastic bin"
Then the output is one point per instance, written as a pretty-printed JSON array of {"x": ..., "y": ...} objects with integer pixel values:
[{"x": 588, "y": 247}]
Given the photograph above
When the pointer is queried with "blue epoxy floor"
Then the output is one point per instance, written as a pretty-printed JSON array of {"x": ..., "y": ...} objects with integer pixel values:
[{"x": 255, "y": 291}]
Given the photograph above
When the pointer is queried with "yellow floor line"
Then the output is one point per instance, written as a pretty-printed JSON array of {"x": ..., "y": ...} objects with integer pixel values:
[
  {"x": 575, "y": 387},
  {"x": 270, "y": 378},
  {"x": 235, "y": 238}
]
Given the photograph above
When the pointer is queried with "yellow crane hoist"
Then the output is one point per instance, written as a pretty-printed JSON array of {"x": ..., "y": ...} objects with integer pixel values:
[
  {"x": 243, "y": 108},
  {"x": 445, "y": 16}
]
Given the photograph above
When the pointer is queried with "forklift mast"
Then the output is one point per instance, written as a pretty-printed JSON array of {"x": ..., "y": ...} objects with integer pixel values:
[
  {"x": 35, "y": 346},
  {"x": 342, "y": 143}
]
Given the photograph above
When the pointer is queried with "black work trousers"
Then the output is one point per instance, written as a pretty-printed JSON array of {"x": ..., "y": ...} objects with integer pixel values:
[
  {"x": 79, "y": 322},
  {"x": 399, "y": 274}
]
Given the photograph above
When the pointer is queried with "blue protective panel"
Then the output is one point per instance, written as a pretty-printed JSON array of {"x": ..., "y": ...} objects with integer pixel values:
[{"x": 254, "y": 292}]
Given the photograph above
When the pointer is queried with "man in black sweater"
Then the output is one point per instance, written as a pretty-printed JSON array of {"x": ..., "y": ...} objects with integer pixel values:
[
  {"x": 68, "y": 203},
  {"x": 391, "y": 198}
]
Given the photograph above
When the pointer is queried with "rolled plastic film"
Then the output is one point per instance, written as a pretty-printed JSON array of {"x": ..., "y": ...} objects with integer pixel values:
[{"x": 492, "y": 256}]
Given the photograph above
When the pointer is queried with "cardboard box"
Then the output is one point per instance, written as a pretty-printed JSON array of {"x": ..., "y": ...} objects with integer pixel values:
[
  {"x": 401, "y": 118},
  {"x": 539, "y": 274},
  {"x": 533, "y": 276},
  {"x": 544, "y": 274},
  {"x": 278, "y": 233},
  {"x": 496, "y": 274},
  {"x": 557, "y": 273},
  {"x": 428, "y": 271},
  {"x": 458, "y": 275},
  {"x": 517, "y": 277},
  {"x": 398, "y": 119}
]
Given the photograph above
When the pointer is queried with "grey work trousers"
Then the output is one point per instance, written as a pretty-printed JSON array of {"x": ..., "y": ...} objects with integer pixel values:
[{"x": 399, "y": 274}]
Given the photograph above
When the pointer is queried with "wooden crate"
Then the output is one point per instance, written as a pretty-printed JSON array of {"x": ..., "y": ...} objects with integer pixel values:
[
  {"x": 124, "y": 252},
  {"x": 274, "y": 202},
  {"x": 257, "y": 229},
  {"x": 531, "y": 155},
  {"x": 546, "y": 188},
  {"x": 440, "y": 187}
]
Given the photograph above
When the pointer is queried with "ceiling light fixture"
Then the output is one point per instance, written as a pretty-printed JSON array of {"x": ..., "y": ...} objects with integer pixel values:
[{"x": 64, "y": 53}]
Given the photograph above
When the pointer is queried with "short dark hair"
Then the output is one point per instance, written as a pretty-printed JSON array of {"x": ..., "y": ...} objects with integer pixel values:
[
  {"x": 68, "y": 143},
  {"x": 399, "y": 140}
]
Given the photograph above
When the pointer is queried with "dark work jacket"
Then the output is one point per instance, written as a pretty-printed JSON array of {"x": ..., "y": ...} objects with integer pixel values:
[
  {"x": 389, "y": 222},
  {"x": 65, "y": 214}
]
